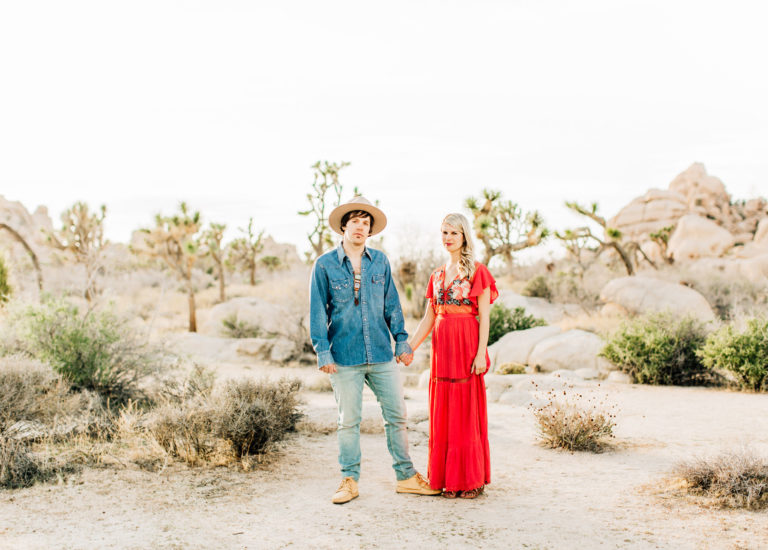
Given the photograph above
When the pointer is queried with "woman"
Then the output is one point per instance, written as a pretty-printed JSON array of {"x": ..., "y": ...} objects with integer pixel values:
[{"x": 458, "y": 293}]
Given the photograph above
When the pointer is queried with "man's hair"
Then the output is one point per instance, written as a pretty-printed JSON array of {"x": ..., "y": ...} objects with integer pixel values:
[{"x": 356, "y": 214}]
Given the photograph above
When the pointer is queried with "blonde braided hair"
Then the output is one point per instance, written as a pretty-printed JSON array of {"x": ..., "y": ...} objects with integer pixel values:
[{"x": 467, "y": 259}]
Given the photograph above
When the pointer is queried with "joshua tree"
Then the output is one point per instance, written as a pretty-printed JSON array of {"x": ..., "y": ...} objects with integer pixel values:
[
  {"x": 175, "y": 240},
  {"x": 502, "y": 226},
  {"x": 15, "y": 234},
  {"x": 211, "y": 241},
  {"x": 272, "y": 263},
  {"x": 326, "y": 178},
  {"x": 576, "y": 239},
  {"x": 661, "y": 238},
  {"x": 82, "y": 233},
  {"x": 245, "y": 250}
]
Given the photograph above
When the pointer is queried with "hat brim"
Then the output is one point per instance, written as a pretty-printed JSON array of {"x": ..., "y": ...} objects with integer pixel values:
[{"x": 379, "y": 219}]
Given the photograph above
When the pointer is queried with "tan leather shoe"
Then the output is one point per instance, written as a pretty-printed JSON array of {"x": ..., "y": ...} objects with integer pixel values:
[
  {"x": 346, "y": 491},
  {"x": 416, "y": 485}
]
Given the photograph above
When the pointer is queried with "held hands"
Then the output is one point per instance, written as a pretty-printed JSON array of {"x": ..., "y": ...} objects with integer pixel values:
[
  {"x": 405, "y": 358},
  {"x": 478, "y": 365},
  {"x": 330, "y": 368}
]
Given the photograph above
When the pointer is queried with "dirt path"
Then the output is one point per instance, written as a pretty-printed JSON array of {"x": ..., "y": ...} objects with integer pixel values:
[{"x": 539, "y": 498}]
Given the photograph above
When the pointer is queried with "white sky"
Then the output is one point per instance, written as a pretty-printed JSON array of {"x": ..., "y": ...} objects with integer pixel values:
[{"x": 226, "y": 104}]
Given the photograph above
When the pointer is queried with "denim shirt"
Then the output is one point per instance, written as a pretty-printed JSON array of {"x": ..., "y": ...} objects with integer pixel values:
[{"x": 347, "y": 334}]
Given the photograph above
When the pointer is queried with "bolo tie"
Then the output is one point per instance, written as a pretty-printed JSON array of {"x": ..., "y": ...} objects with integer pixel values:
[{"x": 357, "y": 288}]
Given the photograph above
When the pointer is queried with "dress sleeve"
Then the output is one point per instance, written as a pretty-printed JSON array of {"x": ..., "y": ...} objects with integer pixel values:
[
  {"x": 430, "y": 285},
  {"x": 482, "y": 280}
]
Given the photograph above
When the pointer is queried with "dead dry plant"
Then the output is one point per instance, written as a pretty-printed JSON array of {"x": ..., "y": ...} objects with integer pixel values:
[
  {"x": 734, "y": 479},
  {"x": 572, "y": 421}
]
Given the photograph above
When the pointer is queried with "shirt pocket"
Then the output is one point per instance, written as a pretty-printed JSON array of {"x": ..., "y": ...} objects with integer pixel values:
[
  {"x": 378, "y": 281},
  {"x": 341, "y": 291}
]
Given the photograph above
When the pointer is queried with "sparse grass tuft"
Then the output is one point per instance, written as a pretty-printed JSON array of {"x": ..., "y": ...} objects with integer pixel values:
[
  {"x": 569, "y": 420},
  {"x": 731, "y": 480}
]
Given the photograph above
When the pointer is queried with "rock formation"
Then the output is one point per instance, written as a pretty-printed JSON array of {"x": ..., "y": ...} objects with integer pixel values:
[{"x": 694, "y": 202}]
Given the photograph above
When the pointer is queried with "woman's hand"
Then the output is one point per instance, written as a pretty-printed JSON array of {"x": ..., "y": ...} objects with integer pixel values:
[{"x": 479, "y": 364}]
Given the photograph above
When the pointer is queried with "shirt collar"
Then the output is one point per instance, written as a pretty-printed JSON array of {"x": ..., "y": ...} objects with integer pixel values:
[{"x": 341, "y": 253}]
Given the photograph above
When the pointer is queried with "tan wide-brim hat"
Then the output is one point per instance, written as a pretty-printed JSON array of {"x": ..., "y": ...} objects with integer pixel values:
[{"x": 357, "y": 203}]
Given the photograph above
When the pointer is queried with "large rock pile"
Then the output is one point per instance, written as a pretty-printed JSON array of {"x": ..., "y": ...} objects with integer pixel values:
[
  {"x": 707, "y": 223},
  {"x": 31, "y": 227}
]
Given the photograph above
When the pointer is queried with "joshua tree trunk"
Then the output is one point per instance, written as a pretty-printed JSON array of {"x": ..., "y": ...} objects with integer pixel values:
[
  {"x": 29, "y": 250},
  {"x": 192, "y": 311},
  {"x": 222, "y": 289},
  {"x": 253, "y": 273},
  {"x": 624, "y": 257}
]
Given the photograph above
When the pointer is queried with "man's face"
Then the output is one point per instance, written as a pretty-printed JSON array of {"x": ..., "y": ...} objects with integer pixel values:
[{"x": 357, "y": 230}]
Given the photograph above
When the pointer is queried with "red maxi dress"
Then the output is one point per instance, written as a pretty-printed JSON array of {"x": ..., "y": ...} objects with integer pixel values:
[{"x": 459, "y": 456}]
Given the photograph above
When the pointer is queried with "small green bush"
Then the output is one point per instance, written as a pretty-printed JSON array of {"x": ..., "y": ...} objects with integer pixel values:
[
  {"x": 93, "y": 351},
  {"x": 504, "y": 320},
  {"x": 5, "y": 288},
  {"x": 538, "y": 288},
  {"x": 239, "y": 329},
  {"x": 660, "y": 349},
  {"x": 745, "y": 354}
]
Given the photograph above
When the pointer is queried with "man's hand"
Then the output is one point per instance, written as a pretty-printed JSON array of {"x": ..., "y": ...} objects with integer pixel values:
[
  {"x": 330, "y": 368},
  {"x": 405, "y": 358}
]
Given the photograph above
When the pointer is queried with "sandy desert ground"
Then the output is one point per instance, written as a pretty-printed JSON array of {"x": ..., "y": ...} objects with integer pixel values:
[{"x": 539, "y": 498}]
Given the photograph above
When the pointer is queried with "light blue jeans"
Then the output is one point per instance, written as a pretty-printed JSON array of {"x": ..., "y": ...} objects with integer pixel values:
[{"x": 384, "y": 381}]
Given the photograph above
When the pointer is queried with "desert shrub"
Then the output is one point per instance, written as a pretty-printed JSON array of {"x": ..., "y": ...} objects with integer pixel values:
[
  {"x": 19, "y": 468},
  {"x": 30, "y": 390},
  {"x": 660, "y": 349},
  {"x": 511, "y": 368},
  {"x": 185, "y": 430},
  {"x": 197, "y": 384},
  {"x": 730, "y": 297},
  {"x": 745, "y": 354},
  {"x": 5, "y": 288},
  {"x": 254, "y": 414},
  {"x": 92, "y": 351},
  {"x": 239, "y": 329},
  {"x": 537, "y": 287},
  {"x": 569, "y": 420},
  {"x": 504, "y": 320},
  {"x": 732, "y": 480},
  {"x": 246, "y": 417}
]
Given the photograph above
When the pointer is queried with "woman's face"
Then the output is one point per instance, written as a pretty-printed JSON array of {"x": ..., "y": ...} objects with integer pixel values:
[{"x": 453, "y": 238}]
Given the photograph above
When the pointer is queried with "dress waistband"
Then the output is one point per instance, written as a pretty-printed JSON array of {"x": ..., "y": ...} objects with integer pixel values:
[{"x": 457, "y": 316}]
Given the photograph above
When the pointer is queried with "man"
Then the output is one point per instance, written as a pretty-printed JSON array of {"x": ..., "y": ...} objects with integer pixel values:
[{"x": 354, "y": 307}]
